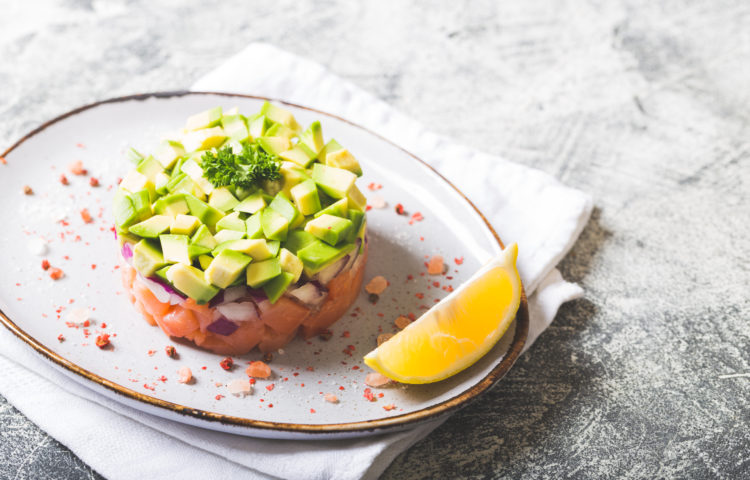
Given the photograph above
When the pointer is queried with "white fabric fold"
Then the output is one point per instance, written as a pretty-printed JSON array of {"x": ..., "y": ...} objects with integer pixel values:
[{"x": 524, "y": 205}]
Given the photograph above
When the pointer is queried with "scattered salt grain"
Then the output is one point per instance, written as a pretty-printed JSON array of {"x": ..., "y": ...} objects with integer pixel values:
[
  {"x": 37, "y": 246},
  {"x": 378, "y": 202},
  {"x": 331, "y": 398},
  {"x": 435, "y": 265},
  {"x": 377, "y": 285},
  {"x": 79, "y": 316},
  {"x": 240, "y": 387},
  {"x": 384, "y": 337},
  {"x": 185, "y": 375},
  {"x": 402, "y": 322},
  {"x": 377, "y": 380}
]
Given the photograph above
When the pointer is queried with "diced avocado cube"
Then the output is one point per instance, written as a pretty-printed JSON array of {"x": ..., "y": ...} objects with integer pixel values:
[
  {"x": 168, "y": 153},
  {"x": 297, "y": 240},
  {"x": 195, "y": 251},
  {"x": 252, "y": 203},
  {"x": 330, "y": 229},
  {"x": 160, "y": 183},
  {"x": 133, "y": 155},
  {"x": 135, "y": 181},
  {"x": 344, "y": 159},
  {"x": 190, "y": 281},
  {"x": 259, "y": 273},
  {"x": 204, "y": 261},
  {"x": 172, "y": 205},
  {"x": 279, "y": 130},
  {"x": 330, "y": 147},
  {"x": 357, "y": 218},
  {"x": 203, "y": 238},
  {"x": 195, "y": 172},
  {"x": 292, "y": 174},
  {"x": 275, "y": 225},
  {"x": 204, "y": 139},
  {"x": 175, "y": 179},
  {"x": 258, "y": 125},
  {"x": 282, "y": 205},
  {"x": 337, "y": 209},
  {"x": 290, "y": 263},
  {"x": 235, "y": 127},
  {"x": 223, "y": 236},
  {"x": 184, "y": 224},
  {"x": 299, "y": 154},
  {"x": 318, "y": 255},
  {"x": 175, "y": 248},
  {"x": 222, "y": 199},
  {"x": 306, "y": 197},
  {"x": 162, "y": 273},
  {"x": 241, "y": 193},
  {"x": 209, "y": 118},
  {"x": 142, "y": 204},
  {"x": 357, "y": 200},
  {"x": 336, "y": 182},
  {"x": 276, "y": 287},
  {"x": 226, "y": 267},
  {"x": 150, "y": 167},
  {"x": 258, "y": 249},
  {"x": 205, "y": 212},
  {"x": 280, "y": 115},
  {"x": 147, "y": 258},
  {"x": 253, "y": 226},
  {"x": 313, "y": 137},
  {"x": 123, "y": 209},
  {"x": 274, "y": 145},
  {"x": 187, "y": 185},
  {"x": 231, "y": 222},
  {"x": 152, "y": 227}
]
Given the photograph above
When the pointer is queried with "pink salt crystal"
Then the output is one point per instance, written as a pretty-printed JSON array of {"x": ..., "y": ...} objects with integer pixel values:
[
  {"x": 185, "y": 375},
  {"x": 377, "y": 285}
]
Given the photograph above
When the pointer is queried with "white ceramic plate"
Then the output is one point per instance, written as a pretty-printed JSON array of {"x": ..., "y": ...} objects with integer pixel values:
[{"x": 136, "y": 370}]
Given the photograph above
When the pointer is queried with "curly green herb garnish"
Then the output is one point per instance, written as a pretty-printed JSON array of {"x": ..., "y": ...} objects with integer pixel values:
[{"x": 245, "y": 170}]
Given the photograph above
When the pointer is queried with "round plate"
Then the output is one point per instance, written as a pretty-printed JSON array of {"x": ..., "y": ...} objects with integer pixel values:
[{"x": 134, "y": 370}]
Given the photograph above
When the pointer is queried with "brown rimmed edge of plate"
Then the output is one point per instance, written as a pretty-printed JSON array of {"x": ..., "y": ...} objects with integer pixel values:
[{"x": 375, "y": 426}]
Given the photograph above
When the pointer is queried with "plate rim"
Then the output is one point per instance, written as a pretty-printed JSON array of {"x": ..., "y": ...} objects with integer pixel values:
[{"x": 398, "y": 421}]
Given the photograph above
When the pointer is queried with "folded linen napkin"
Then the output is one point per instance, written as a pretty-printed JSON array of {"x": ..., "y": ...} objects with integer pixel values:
[{"x": 533, "y": 209}]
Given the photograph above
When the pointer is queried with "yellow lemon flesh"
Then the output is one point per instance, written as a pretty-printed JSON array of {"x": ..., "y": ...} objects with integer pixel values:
[{"x": 456, "y": 332}]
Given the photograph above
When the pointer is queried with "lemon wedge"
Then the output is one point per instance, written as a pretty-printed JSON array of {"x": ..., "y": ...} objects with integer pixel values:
[{"x": 456, "y": 332}]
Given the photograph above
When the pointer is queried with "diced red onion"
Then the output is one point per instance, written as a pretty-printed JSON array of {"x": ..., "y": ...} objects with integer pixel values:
[
  {"x": 222, "y": 326},
  {"x": 258, "y": 295},
  {"x": 310, "y": 294},
  {"x": 327, "y": 274},
  {"x": 238, "y": 312},
  {"x": 127, "y": 251}
]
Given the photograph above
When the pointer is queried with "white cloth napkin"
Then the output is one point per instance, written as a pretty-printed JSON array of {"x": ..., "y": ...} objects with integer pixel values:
[{"x": 530, "y": 208}]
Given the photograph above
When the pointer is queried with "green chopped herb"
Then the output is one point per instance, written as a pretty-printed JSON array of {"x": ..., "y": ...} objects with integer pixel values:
[{"x": 246, "y": 170}]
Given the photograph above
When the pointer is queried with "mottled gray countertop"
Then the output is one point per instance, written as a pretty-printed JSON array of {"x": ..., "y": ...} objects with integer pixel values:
[{"x": 643, "y": 104}]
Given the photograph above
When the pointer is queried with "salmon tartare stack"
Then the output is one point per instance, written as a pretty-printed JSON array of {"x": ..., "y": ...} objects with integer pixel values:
[{"x": 242, "y": 232}]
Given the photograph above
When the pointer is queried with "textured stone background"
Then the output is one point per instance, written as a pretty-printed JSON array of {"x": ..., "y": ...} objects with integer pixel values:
[{"x": 644, "y": 104}]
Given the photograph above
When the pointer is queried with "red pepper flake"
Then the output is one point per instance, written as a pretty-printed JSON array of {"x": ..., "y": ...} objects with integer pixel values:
[
  {"x": 151, "y": 353},
  {"x": 374, "y": 186},
  {"x": 3, "y": 161},
  {"x": 345, "y": 334},
  {"x": 86, "y": 323},
  {"x": 388, "y": 408},
  {"x": 148, "y": 387},
  {"x": 203, "y": 367},
  {"x": 459, "y": 260},
  {"x": 270, "y": 387},
  {"x": 270, "y": 405},
  {"x": 380, "y": 395},
  {"x": 76, "y": 168},
  {"x": 56, "y": 274},
  {"x": 355, "y": 367},
  {"x": 162, "y": 379},
  {"x": 102, "y": 340},
  {"x": 312, "y": 410},
  {"x": 94, "y": 182},
  {"x": 419, "y": 295},
  {"x": 93, "y": 266},
  {"x": 252, "y": 381},
  {"x": 325, "y": 335},
  {"x": 400, "y": 209},
  {"x": 227, "y": 363},
  {"x": 45, "y": 264},
  {"x": 80, "y": 145},
  {"x": 368, "y": 208},
  {"x": 417, "y": 217},
  {"x": 411, "y": 316},
  {"x": 341, "y": 387},
  {"x": 60, "y": 338},
  {"x": 170, "y": 351},
  {"x": 219, "y": 397},
  {"x": 86, "y": 216},
  {"x": 104, "y": 325},
  {"x": 436, "y": 284},
  {"x": 369, "y": 395},
  {"x": 64, "y": 180}
]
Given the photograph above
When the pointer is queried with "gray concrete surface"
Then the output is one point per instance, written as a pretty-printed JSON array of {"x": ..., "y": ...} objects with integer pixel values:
[{"x": 644, "y": 104}]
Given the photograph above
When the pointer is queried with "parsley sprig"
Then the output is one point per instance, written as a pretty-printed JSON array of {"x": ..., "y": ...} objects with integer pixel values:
[{"x": 246, "y": 170}]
